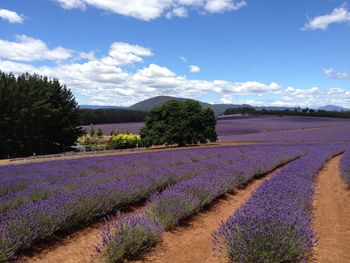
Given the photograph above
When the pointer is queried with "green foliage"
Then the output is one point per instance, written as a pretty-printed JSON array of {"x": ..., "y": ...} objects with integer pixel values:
[
  {"x": 37, "y": 115},
  {"x": 93, "y": 142},
  {"x": 179, "y": 122},
  {"x": 123, "y": 141},
  {"x": 102, "y": 116},
  {"x": 99, "y": 132},
  {"x": 92, "y": 131}
]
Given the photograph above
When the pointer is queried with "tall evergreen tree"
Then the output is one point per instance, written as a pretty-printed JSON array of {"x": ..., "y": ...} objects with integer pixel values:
[{"x": 37, "y": 115}]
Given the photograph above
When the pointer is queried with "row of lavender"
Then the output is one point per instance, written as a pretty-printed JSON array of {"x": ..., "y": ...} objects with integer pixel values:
[
  {"x": 345, "y": 167},
  {"x": 317, "y": 135},
  {"x": 95, "y": 188},
  {"x": 274, "y": 224},
  {"x": 26, "y": 183},
  {"x": 130, "y": 234}
]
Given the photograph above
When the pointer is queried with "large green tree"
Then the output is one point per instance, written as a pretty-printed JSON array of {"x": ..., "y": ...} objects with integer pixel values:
[
  {"x": 37, "y": 115},
  {"x": 180, "y": 123}
]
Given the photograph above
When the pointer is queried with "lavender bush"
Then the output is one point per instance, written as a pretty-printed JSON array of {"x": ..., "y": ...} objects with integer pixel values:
[
  {"x": 274, "y": 224},
  {"x": 132, "y": 234},
  {"x": 188, "y": 196},
  {"x": 319, "y": 135},
  {"x": 345, "y": 167},
  {"x": 78, "y": 191}
]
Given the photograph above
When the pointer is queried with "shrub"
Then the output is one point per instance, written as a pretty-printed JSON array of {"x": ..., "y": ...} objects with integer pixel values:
[
  {"x": 123, "y": 141},
  {"x": 129, "y": 235}
]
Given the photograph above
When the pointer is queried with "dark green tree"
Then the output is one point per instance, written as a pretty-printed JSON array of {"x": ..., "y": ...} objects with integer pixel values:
[
  {"x": 99, "y": 132},
  {"x": 37, "y": 115},
  {"x": 180, "y": 123}
]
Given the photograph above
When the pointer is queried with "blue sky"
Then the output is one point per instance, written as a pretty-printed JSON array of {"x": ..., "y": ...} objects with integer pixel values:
[{"x": 290, "y": 53}]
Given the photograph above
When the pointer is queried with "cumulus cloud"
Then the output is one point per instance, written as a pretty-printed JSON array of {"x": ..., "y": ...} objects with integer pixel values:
[
  {"x": 152, "y": 9},
  {"x": 125, "y": 54},
  {"x": 107, "y": 80},
  {"x": 338, "y": 15},
  {"x": 331, "y": 73},
  {"x": 177, "y": 12},
  {"x": 11, "y": 16},
  {"x": 194, "y": 69},
  {"x": 31, "y": 49},
  {"x": 217, "y": 6}
]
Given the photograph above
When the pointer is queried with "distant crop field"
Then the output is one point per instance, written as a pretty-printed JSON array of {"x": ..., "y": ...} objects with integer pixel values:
[{"x": 243, "y": 125}]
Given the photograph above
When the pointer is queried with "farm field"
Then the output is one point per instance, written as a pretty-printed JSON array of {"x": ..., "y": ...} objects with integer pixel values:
[
  {"x": 231, "y": 126},
  {"x": 174, "y": 131},
  {"x": 185, "y": 201}
]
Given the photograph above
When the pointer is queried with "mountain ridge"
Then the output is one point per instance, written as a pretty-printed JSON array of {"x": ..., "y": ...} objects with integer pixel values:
[{"x": 148, "y": 104}]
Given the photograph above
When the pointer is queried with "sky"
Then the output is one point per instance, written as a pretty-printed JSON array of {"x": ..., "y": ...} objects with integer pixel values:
[{"x": 119, "y": 52}]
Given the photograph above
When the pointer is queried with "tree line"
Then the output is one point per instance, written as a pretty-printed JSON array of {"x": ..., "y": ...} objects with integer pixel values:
[
  {"x": 102, "y": 116},
  {"x": 289, "y": 112},
  {"x": 37, "y": 116}
]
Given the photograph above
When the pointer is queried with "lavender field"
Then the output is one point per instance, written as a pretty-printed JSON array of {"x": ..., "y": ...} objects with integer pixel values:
[
  {"x": 41, "y": 200},
  {"x": 252, "y": 128}
]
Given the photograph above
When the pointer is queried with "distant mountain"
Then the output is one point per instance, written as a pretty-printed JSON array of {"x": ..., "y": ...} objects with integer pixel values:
[
  {"x": 95, "y": 107},
  {"x": 219, "y": 109},
  {"x": 333, "y": 108},
  {"x": 148, "y": 104}
]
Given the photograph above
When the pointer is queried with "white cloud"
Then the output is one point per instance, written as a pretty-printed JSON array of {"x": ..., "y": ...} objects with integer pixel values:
[
  {"x": 31, "y": 49},
  {"x": 217, "y": 6},
  {"x": 69, "y": 4},
  {"x": 194, "y": 69},
  {"x": 152, "y": 9},
  {"x": 331, "y": 73},
  {"x": 338, "y": 15},
  {"x": 184, "y": 59},
  {"x": 11, "y": 16},
  {"x": 125, "y": 54},
  {"x": 86, "y": 55},
  {"x": 177, "y": 12},
  {"x": 106, "y": 80}
]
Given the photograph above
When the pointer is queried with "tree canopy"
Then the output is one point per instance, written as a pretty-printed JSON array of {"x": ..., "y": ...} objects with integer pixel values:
[
  {"x": 37, "y": 116},
  {"x": 179, "y": 122}
]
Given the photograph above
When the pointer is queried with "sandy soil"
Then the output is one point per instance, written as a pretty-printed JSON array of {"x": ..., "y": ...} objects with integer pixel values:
[
  {"x": 332, "y": 216},
  {"x": 192, "y": 241}
]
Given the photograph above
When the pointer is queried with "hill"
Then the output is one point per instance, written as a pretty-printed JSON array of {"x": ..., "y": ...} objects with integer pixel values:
[
  {"x": 333, "y": 108},
  {"x": 148, "y": 104},
  {"x": 219, "y": 109}
]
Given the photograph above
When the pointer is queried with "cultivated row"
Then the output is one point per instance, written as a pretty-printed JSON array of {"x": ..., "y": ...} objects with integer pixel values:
[
  {"x": 345, "y": 167},
  {"x": 129, "y": 234},
  {"x": 274, "y": 224},
  {"x": 85, "y": 193}
]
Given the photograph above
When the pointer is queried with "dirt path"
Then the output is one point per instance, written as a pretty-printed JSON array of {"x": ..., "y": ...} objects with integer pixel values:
[
  {"x": 192, "y": 243},
  {"x": 332, "y": 215},
  {"x": 78, "y": 247}
]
